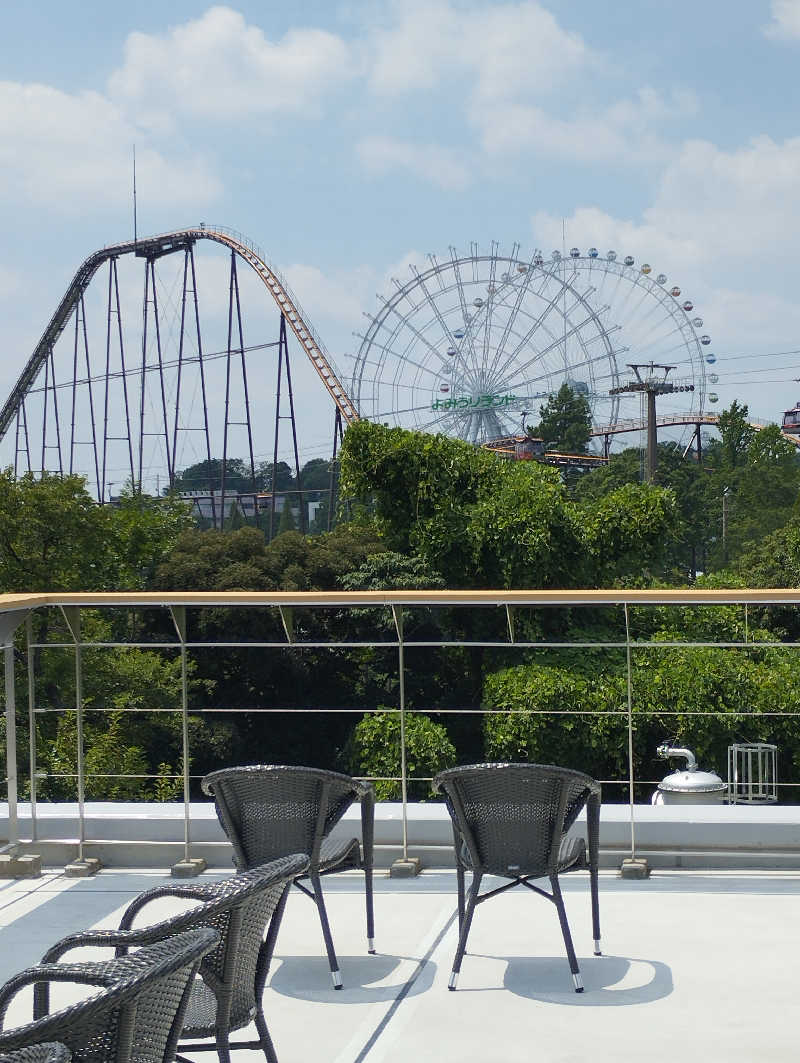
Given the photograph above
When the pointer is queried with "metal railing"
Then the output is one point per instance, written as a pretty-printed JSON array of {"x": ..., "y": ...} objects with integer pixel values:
[{"x": 17, "y": 636}]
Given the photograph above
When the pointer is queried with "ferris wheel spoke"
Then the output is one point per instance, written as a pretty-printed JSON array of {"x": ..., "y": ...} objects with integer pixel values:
[
  {"x": 591, "y": 316},
  {"x": 554, "y": 345},
  {"x": 578, "y": 365},
  {"x": 435, "y": 308},
  {"x": 520, "y": 291},
  {"x": 419, "y": 365}
]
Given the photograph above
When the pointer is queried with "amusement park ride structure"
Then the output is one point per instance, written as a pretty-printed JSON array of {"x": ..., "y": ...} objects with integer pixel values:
[
  {"x": 86, "y": 386},
  {"x": 462, "y": 347}
]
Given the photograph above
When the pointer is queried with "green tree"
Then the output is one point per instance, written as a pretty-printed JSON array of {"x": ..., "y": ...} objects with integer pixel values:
[
  {"x": 207, "y": 476},
  {"x": 316, "y": 475},
  {"x": 736, "y": 435},
  {"x": 284, "y": 477},
  {"x": 287, "y": 522},
  {"x": 566, "y": 422},
  {"x": 377, "y": 752},
  {"x": 53, "y": 536},
  {"x": 754, "y": 476},
  {"x": 483, "y": 522}
]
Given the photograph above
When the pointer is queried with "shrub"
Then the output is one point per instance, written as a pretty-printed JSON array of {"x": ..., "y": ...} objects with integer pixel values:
[
  {"x": 376, "y": 752},
  {"x": 544, "y": 721}
]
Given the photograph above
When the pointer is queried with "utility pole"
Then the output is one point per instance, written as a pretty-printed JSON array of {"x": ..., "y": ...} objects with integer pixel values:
[{"x": 653, "y": 384}]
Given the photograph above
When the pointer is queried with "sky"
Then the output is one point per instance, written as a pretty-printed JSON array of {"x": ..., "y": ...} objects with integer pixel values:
[{"x": 351, "y": 139}]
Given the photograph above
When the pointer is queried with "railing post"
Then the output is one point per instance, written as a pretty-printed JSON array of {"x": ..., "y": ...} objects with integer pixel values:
[
  {"x": 32, "y": 765},
  {"x": 189, "y": 866},
  {"x": 84, "y": 865},
  {"x": 12, "y": 864},
  {"x": 405, "y": 866},
  {"x": 11, "y": 747},
  {"x": 632, "y": 867}
]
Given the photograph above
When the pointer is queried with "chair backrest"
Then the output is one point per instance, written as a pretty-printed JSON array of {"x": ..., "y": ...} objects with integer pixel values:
[
  {"x": 512, "y": 817},
  {"x": 270, "y": 810},
  {"x": 138, "y": 1014},
  {"x": 239, "y": 909}
]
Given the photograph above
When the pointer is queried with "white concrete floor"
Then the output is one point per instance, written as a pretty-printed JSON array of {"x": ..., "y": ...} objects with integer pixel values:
[{"x": 696, "y": 967}]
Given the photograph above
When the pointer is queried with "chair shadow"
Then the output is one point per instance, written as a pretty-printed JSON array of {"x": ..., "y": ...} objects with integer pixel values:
[
  {"x": 609, "y": 981},
  {"x": 309, "y": 978}
]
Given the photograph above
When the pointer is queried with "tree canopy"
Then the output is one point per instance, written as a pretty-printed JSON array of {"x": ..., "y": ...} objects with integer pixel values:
[
  {"x": 566, "y": 422},
  {"x": 484, "y": 522}
]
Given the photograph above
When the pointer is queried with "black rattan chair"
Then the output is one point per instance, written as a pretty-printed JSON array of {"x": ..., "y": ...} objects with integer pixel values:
[
  {"x": 137, "y": 1016},
  {"x": 46, "y": 1052},
  {"x": 269, "y": 810},
  {"x": 227, "y": 995},
  {"x": 512, "y": 820}
]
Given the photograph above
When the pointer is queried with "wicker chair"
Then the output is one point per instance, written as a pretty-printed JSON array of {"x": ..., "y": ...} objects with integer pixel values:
[
  {"x": 268, "y": 810},
  {"x": 512, "y": 820},
  {"x": 227, "y": 996},
  {"x": 46, "y": 1052},
  {"x": 137, "y": 1016}
]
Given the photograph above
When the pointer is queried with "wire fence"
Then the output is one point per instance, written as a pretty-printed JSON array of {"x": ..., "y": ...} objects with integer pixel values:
[{"x": 24, "y": 654}]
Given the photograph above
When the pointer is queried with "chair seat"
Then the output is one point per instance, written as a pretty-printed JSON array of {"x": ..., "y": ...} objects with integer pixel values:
[
  {"x": 334, "y": 853},
  {"x": 571, "y": 852}
]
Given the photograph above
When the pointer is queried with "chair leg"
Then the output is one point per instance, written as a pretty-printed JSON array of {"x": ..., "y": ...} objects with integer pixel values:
[
  {"x": 326, "y": 930},
  {"x": 223, "y": 1047},
  {"x": 461, "y": 891},
  {"x": 466, "y": 923},
  {"x": 370, "y": 910},
  {"x": 268, "y": 948},
  {"x": 595, "y": 910},
  {"x": 562, "y": 918},
  {"x": 264, "y": 1037}
]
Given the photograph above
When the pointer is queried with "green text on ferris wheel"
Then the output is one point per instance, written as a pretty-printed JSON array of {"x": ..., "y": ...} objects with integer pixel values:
[{"x": 476, "y": 402}]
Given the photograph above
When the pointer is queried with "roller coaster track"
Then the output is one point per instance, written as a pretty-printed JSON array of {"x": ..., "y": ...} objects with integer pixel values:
[
  {"x": 165, "y": 244},
  {"x": 637, "y": 424}
]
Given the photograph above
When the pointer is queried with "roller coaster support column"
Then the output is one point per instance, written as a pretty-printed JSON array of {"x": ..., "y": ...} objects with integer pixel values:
[{"x": 652, "y": 385}]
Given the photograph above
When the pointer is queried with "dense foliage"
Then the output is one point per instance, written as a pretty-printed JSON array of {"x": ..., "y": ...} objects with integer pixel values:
[{"x": 423, "y": 512}]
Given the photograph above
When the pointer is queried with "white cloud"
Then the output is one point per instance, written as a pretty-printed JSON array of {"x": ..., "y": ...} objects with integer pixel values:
[
  {"x": 506, "y": 49},
  {"x": 337, "y": 297},
  {"x": 714, "y": 206},
  {"x": 67, "y": 151},
  {"x": 220, "y": 67},
  {"x": 524, "y": 83},
  {"x": 623, "y": 132},
  {"x": 400, "y": 271},
  {"x": 785, "y": 24},
  {"x": 724, "y": 225},
  {"x": 440, "y": 165}
]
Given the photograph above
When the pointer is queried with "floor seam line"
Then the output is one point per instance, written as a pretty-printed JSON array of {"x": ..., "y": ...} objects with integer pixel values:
[{"x": 407, "y": 987}]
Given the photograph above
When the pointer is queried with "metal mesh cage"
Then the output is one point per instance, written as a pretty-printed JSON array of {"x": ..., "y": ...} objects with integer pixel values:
[{"x": 752, "y": 774}]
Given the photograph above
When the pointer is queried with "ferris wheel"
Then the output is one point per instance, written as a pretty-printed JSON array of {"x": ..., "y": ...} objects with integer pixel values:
[{"x": 472, "y": 344}]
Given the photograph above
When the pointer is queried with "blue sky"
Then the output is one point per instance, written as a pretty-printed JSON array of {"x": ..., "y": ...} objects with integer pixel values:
[{"x": 350, "y": 139}]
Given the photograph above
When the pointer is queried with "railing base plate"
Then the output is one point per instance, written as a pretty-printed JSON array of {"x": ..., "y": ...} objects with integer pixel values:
[
  {"x": 634, "y": 868},
  {"x": 406, "y": 868},
  {"x": 15, "y": 866},
  {"x": 190, "y": 868},
  {"x": 83, "y": 868}
]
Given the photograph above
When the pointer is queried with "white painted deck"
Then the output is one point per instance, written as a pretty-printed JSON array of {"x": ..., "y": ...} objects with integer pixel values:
[{"x": 696, "y": 966}]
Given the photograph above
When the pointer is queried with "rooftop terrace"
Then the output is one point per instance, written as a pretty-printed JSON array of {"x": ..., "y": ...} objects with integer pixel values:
[
  {"x": 696, "y": 966},
  {"x": 698, "y": 959}
]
